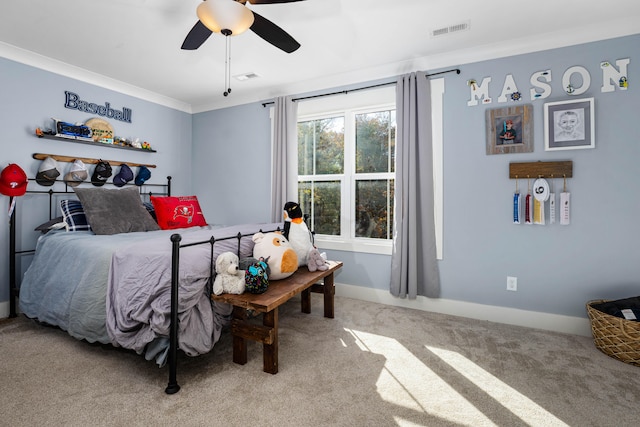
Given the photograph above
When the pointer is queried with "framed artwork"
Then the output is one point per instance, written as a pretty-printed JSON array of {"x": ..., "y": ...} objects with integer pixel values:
[
  {"x": 509, "y": 130},
  {"x": 569, "y": 125}
]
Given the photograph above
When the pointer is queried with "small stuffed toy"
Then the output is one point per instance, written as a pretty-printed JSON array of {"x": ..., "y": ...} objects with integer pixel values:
[
  {"x": 281, "y": 258},
  {"x": 301, "y": 239},
  {"x": 229, "y": 278},
  {"x": 316, "y": 261},
  {"x": 256, "y": 276}
]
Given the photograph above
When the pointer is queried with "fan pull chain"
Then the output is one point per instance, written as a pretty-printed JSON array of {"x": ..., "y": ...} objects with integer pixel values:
[{"x": 227, "y": 63}]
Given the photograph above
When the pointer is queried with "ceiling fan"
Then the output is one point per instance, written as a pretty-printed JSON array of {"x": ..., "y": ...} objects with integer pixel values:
[{"x": 232, "y": 17}]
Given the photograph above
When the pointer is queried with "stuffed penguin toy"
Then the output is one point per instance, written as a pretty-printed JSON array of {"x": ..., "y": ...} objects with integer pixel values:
[
  {"x": 301, "y": 239},
  {"x": 297, "y": 232}
]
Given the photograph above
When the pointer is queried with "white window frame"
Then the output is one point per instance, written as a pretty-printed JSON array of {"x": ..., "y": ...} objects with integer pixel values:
[{"x": 358, "y": 102}]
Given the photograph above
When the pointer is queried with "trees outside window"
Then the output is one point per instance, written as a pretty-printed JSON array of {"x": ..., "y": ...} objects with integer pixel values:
[
  {"x": 346, "y": 167},
  {"x": 346, "y": 172}
]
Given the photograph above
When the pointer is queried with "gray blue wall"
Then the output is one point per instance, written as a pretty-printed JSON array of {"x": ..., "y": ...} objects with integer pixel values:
[
  {"x": 223, "y": 156},
  {"x": 232, "y": 162},
  {"x": 559, "y": 268},
  {"x": 30, "y": 96}
]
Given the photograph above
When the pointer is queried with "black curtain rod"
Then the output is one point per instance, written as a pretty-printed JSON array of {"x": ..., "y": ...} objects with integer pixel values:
[{"x": 344, "y": 92}]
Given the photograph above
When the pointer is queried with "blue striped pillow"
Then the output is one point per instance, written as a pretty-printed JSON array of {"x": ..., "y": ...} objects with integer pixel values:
[
  {"x": 74, "y": 216},
  {"x": 151, "y": 210}
]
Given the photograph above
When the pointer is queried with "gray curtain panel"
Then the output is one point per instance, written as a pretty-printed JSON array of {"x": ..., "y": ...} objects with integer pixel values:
[
  {"x": 284, "y": 173},
  {"x": 414, "y": 268}
]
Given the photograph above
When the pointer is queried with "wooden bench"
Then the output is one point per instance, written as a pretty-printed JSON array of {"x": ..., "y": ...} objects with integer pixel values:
[{"x": 279, "y": 291}]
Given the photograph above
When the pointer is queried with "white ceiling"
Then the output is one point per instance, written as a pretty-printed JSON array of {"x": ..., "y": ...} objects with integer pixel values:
[{"x": 134, "y": 45}]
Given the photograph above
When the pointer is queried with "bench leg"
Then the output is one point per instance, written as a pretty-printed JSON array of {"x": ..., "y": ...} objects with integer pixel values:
[
  {"x": 270, "y": 351},
  {"x": 239, "y": 343},
  {"x": 306, "y": 301},
  {"x": 329, "y": 291}
]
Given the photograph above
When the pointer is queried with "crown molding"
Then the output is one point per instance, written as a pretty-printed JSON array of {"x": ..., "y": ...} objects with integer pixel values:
[
  {"x": 58, "y": 67},
  {"x": 511, "y": 47},
  {"x": 515, "y": 46}
]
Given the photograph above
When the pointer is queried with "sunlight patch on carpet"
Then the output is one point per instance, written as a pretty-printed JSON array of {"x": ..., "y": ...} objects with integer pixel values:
[
  {"x": 407, "y": 382},
  {"x": 520, "y": 405}
]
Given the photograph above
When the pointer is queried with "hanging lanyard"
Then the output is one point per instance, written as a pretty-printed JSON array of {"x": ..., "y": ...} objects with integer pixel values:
[
  {"x": 528, "y": 204},
  {"x": 517, "y": 204},
  {"x": 565, "y": 205}
]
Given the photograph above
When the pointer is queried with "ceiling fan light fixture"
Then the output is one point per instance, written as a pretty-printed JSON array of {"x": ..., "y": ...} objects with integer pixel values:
[{"x": 219, "y": 15}]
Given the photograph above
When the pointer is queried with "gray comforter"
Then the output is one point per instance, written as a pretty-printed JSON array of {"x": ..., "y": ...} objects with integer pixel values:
[{"x": 116, "y": 289}]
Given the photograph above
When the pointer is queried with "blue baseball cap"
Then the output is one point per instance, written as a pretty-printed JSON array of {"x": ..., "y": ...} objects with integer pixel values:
[
  {"x": 143, "y": 174},
  {"x": 125, "y": 175}
]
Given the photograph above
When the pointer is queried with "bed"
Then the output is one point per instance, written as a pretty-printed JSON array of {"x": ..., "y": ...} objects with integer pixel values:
[{"x": 143, "y": 288}]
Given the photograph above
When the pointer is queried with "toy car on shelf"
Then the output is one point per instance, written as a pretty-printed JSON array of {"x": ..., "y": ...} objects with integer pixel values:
[{"x": 70, "y": 129}]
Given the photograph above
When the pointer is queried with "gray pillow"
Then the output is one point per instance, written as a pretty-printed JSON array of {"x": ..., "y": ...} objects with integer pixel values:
[{"x": 115, "y": 211}]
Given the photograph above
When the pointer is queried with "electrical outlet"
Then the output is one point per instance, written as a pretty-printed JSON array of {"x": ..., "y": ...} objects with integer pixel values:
[{"x": 512, "y": 283}]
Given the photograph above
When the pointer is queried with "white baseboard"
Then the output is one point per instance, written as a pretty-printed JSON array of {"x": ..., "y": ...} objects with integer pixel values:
[
  {"x": 4, "y": 309},
  {"x": 510, "y": 316}
]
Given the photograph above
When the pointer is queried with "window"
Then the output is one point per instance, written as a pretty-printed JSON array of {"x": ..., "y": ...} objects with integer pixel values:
[
  {"x": 346, "y": 156},
  {"x": 346, "y": 168},
  {"x": 365, "y": 180}
]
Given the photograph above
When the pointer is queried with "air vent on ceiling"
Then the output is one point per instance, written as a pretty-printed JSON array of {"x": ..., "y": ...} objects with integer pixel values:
[
  {"x": 247, "y": 76},
  {"x": 463, "y": 26}
]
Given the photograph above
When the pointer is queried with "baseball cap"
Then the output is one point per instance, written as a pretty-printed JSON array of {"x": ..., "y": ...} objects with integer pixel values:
[
  {"x": 77, "y": 173},
  {"x": 48, "y": 172},
  {"x": 143, "y": 174},
  {"x": 101, "y": 173},
  {"x": 125, "y": 175},
  {"x": 13, "y": 181}
]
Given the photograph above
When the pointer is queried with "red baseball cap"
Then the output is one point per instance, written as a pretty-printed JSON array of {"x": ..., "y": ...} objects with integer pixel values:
[{"x": 13, "y": 181}]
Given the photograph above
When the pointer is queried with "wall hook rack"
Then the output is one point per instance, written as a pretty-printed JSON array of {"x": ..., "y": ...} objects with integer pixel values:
[
  {"x": 69, "y": 159},
  {"x": 541, "y": 169}
]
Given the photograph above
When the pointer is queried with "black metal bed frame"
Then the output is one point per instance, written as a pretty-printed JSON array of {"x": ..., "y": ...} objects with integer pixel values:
[{"x": 172, "y": 386}]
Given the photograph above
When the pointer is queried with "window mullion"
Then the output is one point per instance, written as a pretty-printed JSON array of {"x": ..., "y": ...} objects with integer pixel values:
[
  {"x": 348, "y": 183},
  {"x": 315, "y": 146}
]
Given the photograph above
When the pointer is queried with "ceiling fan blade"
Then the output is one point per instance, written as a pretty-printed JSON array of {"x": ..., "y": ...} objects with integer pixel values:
[
  {"x": 198, "y": 35},
  {"x": 273, "y": 34},
  {"x": 271, "y": 1}
]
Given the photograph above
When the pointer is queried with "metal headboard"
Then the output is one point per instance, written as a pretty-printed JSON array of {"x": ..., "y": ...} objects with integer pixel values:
[{"x": 145, "y": 190}]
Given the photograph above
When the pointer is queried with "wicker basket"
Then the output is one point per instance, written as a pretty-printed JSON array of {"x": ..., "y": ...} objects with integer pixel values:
[{"x": 615, "y": 336}]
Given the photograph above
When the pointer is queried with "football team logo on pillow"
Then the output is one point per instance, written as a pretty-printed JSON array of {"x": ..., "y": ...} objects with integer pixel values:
[{"x": 184, "y": 211}]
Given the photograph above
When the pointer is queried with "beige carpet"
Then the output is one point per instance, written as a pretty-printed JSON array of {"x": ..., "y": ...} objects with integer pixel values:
[{"x": 373, "y": 365}]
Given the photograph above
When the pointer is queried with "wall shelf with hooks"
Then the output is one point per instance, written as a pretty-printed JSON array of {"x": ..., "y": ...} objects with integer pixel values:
[
  {"x": 99, "y": 144},
  {"x": 561, "y": 169}
]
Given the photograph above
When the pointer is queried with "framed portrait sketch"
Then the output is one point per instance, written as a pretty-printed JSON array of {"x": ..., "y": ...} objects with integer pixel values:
[
  {"x": 569, "y": 125},
  {"x": 509, "y": 130}
]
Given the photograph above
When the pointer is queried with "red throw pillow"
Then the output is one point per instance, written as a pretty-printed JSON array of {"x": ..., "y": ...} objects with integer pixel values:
[{"x": 178, "y": 212}]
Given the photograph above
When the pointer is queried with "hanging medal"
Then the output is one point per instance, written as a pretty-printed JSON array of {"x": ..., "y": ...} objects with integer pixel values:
[
  {"x": 565, "y": 205},
  {"x": 541, "y": 195},
  {"x": 517, "y": 204}
]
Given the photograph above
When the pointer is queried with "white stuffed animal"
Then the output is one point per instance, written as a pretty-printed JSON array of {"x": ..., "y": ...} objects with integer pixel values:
[
  {"x": 273, "y": 247},
  {"x": 229, "y": 278}
]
